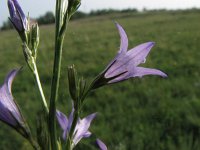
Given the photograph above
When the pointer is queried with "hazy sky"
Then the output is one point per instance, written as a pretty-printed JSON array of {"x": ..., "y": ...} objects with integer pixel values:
[{"x": 39, "y": 7}]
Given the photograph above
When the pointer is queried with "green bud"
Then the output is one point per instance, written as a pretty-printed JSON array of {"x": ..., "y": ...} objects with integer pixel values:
[
  {"x": 72, "y": 82},
  {"x": 34, "y": 39},
  {"x": 73, "y": 6},
  {"x": 82, "y": 87},
  {"x": 28, "y": 57}
]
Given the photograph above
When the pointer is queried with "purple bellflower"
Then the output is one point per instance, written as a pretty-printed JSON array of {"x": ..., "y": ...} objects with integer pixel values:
[
  {"x": 17, "y": 16},
  {"x": 9, "y": 111},
  {"x": 125, "y": 64},
  {"x": 81, "y": 129},
  {"x": 101, "y": 145}
]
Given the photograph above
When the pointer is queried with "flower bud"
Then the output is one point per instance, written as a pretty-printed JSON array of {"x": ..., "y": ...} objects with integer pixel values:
[{"x": 17, "y": 16}]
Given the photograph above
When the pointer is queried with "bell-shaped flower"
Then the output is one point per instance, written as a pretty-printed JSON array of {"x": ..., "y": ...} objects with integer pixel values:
[
  {"x": 125, "y": 64},
  {"x": 17, "y": 16},
  {"x": 9, "y": 111},
  {"x": 81, "y": 129},
  {"x": 101, "y": 145}
]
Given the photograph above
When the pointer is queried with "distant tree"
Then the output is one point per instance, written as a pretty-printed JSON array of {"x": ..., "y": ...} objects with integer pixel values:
[
  {"x": 79, "y": 15},
  {"x": 129, "y": 10},
  {"x": 47, "y": 18},
  {"x": 103, "y": 12},
  {"x": 6, "y": 25}
]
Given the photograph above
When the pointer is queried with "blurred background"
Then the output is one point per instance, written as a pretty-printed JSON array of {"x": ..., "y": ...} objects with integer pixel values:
[{"x": 148, "y": 113}]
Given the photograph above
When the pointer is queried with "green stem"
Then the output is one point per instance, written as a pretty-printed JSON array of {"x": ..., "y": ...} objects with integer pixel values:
[
  {"x": 34, "y": 144},
  {"x": 54, "y": 91},
  {"x": 55, "y": 78},
  {"x": 37, "y": 78}
]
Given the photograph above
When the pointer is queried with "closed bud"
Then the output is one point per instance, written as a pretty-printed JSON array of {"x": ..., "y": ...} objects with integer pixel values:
[{"x": 18, "y": 18}]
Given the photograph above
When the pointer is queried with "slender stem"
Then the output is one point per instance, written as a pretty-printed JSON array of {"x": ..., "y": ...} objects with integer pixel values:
[
  {"x": 37, "y": 78},
  {"x": 34, "y": 144},
  {"x": 59, "y": 37},
  {"x": 54, "y": 91},
  {"x": 55, "y": 79}
]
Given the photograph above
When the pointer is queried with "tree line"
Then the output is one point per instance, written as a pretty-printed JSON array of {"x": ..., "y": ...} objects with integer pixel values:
[{"x": 49, "y": 17}]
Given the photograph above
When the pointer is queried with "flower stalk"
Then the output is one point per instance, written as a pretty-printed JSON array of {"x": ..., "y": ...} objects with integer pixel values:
[
  {"x": 61, "y": 25},
  {"x": 37, "y": 79}
]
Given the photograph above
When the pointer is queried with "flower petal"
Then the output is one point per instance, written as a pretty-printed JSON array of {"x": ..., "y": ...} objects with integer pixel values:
[
  {"x": 63, "y": 122},
  {"x": 12, "y": 9},
  {"x": 141, "y": 71},
  {"x": 71, "y": 117},
  {"x": 87, "y": 134},
  {"x": 18, "y": 7},
  {"x": 9, "y": 111},
  {"x": 101, "y": 145},
  {"x": 21, "y": 13},
  {"x": 82, "y": 128},
  {"x": 123, "y": 39},
  {"x": 17, "y": 15},
  {"x": 7, "y": 101},
  {"x": 133, "y": 57},
  {"x": 138, "y": 54},
  {"x": 120, "y": 78}
]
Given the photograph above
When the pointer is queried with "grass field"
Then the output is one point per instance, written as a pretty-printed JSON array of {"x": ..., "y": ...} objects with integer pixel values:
[{"x": 147, "y": 113}]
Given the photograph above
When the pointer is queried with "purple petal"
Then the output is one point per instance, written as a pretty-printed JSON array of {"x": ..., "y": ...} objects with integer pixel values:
[
  {"x": 123, "y": 38},
  {"x": 19, "y": 9},
  {"x": 71, "y": 117},
  {"x": 120, "y": 78},
  {"x": 9, "y": 112},
  {"x": 141, "y": 71},
  {"x": 62, "y": 119},
  {"x": 17, "y": 15},
  {"x": 87, "y": 134},
  {"x": 63, "y": 122},
  {"x": 123, "y": 44},
  {"x": 138, "y": 54},
  {"x": 11, "y": 8},
  {"x": 101, "y": 145},
  {"x": 133, "y": 57},
  {"x": 82, "y": 128}
]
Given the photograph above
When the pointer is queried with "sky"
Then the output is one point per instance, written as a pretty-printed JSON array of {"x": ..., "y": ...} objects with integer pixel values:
[{"x": 39, "y": 7}]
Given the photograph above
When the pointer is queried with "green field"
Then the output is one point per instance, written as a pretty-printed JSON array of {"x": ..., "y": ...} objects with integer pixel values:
[{"x": 149, "y": 113}]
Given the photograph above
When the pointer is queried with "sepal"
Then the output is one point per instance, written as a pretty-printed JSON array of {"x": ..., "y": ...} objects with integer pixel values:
[
  {"x": 72, "y": 82},
  {"x": 35, "y": 37},
  {"x": 28, "y": 57},
  {"x": 73, "y": 6}
]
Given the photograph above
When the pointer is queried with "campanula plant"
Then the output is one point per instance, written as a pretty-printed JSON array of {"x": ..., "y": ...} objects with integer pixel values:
[{"x": 125, "y": 65}]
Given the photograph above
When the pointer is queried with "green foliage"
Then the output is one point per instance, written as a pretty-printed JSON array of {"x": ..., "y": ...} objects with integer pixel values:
[
  {"x": 47, "y": 18},
  {"x": 141, "y": 114}
]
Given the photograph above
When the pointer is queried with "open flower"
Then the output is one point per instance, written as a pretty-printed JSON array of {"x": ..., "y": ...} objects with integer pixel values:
[
  {"x": 81, "y": 129},
  {"x": 101, "y": 145},
  {"x": 17, "y": 16},
  {"x": 9, "y": 111},
  {"x": 125, "y": 64}
]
